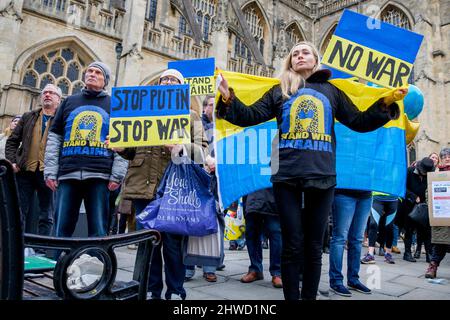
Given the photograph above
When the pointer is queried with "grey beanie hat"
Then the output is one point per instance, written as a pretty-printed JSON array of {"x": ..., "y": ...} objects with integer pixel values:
[{"x": 105, "y": 69}]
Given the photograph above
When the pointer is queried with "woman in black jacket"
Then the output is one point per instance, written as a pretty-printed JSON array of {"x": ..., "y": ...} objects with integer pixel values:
[{"x": 305, "y": 105}]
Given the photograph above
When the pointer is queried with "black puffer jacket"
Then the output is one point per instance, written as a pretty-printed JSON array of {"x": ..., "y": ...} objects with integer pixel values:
[{"x": 261, "y": 201}]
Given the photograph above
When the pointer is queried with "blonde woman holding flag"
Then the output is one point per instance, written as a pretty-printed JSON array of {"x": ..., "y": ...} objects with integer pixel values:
[{"x": 305, "y": 105}]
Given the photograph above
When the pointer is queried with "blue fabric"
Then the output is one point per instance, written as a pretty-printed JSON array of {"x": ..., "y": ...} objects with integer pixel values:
[
  {"x": 183, "y": 204},
  {"x": 256, "y": 225},
  {"x": 69, "y": 195},
  {"x": 194, "y": 68},
  {"x": 372, "y": 161},
  {"x": 349, "y": 222}
]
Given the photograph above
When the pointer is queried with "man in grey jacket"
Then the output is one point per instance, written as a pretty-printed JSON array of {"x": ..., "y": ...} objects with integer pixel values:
[{"x": 78, "y": 164}]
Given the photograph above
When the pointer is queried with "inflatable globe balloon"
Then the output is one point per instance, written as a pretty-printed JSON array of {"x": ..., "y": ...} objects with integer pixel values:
[{"x": 413, "y": 102}]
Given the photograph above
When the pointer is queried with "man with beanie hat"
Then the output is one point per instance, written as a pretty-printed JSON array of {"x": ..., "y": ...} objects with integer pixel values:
[{"x": 78, "y": 164}]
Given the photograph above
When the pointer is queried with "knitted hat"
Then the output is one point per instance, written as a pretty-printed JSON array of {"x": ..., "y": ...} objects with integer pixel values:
[
  {"x": 425, "y": 165},
  {"x": 105, "y": 69},
  {"x": 174, "y": 73}
]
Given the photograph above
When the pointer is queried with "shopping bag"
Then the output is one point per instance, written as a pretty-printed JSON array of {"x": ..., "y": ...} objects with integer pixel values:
[
  {"x": 183, "y": 203},
  {"x": 235, "y": 223},
  {"x": 203, "y": 251}
]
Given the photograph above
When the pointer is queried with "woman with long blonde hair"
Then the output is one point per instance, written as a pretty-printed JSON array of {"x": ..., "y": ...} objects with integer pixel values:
[
  {"x": 305, "y": 105},
  {"x": 6, "y": 133}
]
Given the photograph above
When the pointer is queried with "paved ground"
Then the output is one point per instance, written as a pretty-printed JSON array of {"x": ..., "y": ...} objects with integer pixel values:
[{"x": 400, "y": 281}]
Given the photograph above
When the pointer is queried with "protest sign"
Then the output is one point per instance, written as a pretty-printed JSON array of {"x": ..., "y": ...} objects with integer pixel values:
[
  {"x": 383, "y": 55},
  {"x": 439, "y": 198},
  {"x": 149, "y": 116},
  {"x": 198, "y": 73}
]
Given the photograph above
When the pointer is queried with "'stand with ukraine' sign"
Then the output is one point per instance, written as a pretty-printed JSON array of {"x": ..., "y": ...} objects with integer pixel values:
[
  {"x": 198, "y": 73},
  {"x": 149, "y": 116},
  {"x": 383, "y": 54}
]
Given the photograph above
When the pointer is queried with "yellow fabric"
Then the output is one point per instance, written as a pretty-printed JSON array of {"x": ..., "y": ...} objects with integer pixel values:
[{"x": 250, "y": 88}]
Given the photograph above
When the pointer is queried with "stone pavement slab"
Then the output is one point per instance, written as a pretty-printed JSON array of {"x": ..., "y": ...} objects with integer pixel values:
[{"x": 400, "y": 281}]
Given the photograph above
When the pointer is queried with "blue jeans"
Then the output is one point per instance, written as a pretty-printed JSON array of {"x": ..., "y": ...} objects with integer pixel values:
[
  {"x": 171, "y": 246},
  {"x": 349, "y": 222},
  {"x": 69, "y": 195},
  {"x": 256, "y": 225}
]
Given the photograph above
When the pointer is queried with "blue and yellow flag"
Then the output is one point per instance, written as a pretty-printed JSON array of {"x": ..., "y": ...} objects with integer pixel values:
[{"x": 374, "y": 161}]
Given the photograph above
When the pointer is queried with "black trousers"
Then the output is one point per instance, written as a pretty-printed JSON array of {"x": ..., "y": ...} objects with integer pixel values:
[
  {"x": 303, "y": 225},
  {"x": 382, "y": 223}
]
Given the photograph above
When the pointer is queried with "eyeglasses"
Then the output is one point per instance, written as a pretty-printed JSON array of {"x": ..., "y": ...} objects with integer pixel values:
[
  {"x": 169, "y": 79},
  {"x": 50, "y": 92}
]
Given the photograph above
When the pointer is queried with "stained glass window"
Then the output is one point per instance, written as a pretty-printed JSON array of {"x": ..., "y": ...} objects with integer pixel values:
[
  {"x": 30, "y": 79},
  {"x": 73, "y": 72},
  {"x": 64, "y": 86},
  {"x": 46, "y": 80},
  {"x": 206, "y": 27},
  {"x": 57, "y": 68},
  {"x": 40, "y": 65},
  {"x": 63, "y": 64}
]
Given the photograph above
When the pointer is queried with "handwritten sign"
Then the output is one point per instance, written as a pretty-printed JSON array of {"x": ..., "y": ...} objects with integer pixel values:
[
  {"x": 198, "y": 73},
  {"x": 378, "y": 52},
  {"x": 149, "y": 116}
]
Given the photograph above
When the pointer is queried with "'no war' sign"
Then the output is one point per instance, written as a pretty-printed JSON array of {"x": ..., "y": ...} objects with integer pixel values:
[
  {"x": 149, "y": 116},
  {"x": 383, "y": 55}
]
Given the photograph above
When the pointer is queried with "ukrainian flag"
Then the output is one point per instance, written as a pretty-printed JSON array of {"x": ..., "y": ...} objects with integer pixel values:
[{"x": 374, "y": 161}]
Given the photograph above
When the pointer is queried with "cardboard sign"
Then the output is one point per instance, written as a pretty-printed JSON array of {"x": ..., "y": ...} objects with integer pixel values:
[
  {"x": 439, "y": 198},
  {"x": 380, "y": 53},
  {"x": 149, "y": 116},
  {"x": 198, "y": 73}
]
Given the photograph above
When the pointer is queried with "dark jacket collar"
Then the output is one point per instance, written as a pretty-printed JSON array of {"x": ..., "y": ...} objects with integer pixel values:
[
  {"x": 93, "y": 94},
  {"x": 319, "y": 76}
]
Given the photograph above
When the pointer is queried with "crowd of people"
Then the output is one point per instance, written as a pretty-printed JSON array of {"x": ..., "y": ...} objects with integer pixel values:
[{"x": 60, "y": 151}]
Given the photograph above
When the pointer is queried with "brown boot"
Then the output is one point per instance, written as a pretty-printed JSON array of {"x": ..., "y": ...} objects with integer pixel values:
[
  {"x": 276, "y": 282},
  {"x": 252, "y": 276},
  {"x": 432, "y": 270}
]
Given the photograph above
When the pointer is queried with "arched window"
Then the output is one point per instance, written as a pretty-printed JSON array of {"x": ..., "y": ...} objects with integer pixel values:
[
  {"x": 393, "y": 15},
  {"x": 182, "y": 25},
  {"x": 327, "y": 39},
  {"x": 62, "y": 67},
  {"x": 206, "y": 27},
  {"x": 293, "y": 34},
  {"x": 255, "y": 21},
  {"x": 206, "y": 11},
  {"x": 150, "y": 10}
]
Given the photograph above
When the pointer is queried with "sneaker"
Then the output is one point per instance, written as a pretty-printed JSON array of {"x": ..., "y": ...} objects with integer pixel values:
[
  {"x": 210, "y": 276},
  {"x": 368, "y": 259},
  {"x": 388, "y": 258},
  {"x": 232, "y": 247},
  {"x": 176, "y": 297},
  {"x": 359, "y": 287},
  {"x": 277, "y": 282},
  {"x": 341, "y": 290}
]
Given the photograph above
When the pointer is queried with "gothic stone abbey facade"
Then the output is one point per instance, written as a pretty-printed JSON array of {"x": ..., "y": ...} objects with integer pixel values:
[{"x": 53, "y": 41}]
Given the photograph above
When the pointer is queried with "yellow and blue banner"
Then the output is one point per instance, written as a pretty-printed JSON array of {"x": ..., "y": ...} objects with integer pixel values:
[
  {"x": 149, "y": 116},
  {"x": 374, "y": 161},
  {"x": 198, "y": 73},
  {"x": 378, "y": 52}
]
